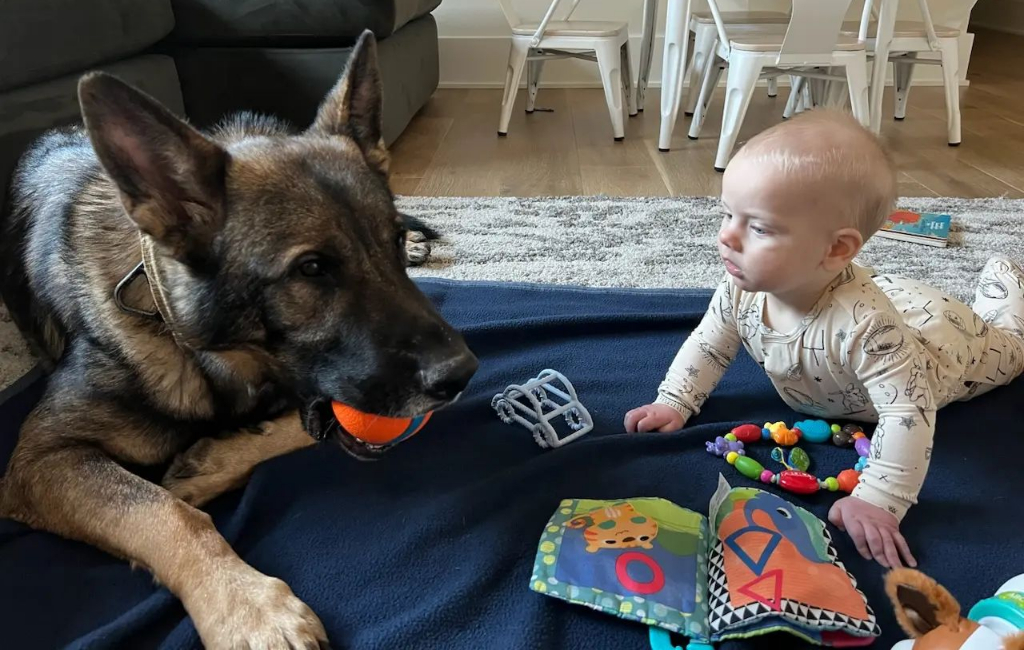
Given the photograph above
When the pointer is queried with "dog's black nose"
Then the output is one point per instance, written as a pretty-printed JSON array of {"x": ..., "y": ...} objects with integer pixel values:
[{"x": 445, "y": 379}]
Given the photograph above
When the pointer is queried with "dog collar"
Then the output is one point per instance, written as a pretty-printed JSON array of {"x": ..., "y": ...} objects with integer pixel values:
[{"x": 149, "y": 269}]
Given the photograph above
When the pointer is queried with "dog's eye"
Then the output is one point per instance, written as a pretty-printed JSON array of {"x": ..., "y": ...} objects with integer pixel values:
[{"x": 311, "y": 269}]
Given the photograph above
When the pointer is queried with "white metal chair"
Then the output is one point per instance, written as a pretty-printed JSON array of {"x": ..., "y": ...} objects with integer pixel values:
[
  {"x": 680, "y": 20},
  {"x": 909, "y": 38},
  {"x": 533, "y": 43},
  {"x": 809, "y": 46},
  {"x": 705, "y": 35}
]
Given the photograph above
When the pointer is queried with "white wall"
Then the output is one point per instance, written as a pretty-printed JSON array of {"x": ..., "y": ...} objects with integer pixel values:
[{"x": 474, "y": 37}]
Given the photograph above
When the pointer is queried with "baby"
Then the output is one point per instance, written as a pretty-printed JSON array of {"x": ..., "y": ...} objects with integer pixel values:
[{"x": 799, "y": 201}]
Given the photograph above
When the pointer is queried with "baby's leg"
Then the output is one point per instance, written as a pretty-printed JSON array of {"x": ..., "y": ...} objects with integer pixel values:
[{"x": 999, "y": 300}]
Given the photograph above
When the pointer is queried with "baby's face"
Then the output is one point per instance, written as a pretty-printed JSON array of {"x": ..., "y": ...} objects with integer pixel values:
[{"x": 775, "y": 231}]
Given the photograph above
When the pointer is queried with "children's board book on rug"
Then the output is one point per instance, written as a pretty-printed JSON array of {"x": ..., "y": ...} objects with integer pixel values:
[
  {"x": 917, "y": 227},
  {"x": 756, "y": 564}
]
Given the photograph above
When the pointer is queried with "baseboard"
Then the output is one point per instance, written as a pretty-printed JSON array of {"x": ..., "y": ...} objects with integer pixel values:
[{"x": 480, "y": 62}]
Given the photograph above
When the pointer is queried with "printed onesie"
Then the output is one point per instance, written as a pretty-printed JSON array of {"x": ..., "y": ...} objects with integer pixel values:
[{"x": 873, "y": 348}]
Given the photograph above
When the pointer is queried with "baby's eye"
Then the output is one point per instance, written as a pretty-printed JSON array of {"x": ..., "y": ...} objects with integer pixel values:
[{"x": 759, "y": 230}]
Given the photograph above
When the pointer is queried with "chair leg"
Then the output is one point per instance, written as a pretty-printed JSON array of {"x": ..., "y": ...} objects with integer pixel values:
[
  {"x": 950, "y": 56},
  {"x": 835, "y": 91},
  {"x": 609, "y": 60},
  {"x": 533, "y": 70},
  {"x": 903, "y": 75},
  {"x": 627, "y": 79},
  {"x": 806, "y": 99},
  {"x": 514, "y": 73},
  {"x": 677, "y": 42},
  {"x": 703, "y": 51},
  {"x": 773, "y": 86},
  {"x": 857, "y": 81},
  {"x": 744, "y": 72},
  {"x": 712, "y": 73},
  {"x": 796, "y": 87}
]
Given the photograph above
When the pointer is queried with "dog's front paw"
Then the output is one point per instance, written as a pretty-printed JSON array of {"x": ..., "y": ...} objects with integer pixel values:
[
  {"x": 250, "y": 610},
  {"x": 417, "y": 248}
]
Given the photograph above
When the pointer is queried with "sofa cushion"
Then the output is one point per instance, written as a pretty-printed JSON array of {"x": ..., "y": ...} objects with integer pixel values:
[
  {"x": 323, "y": 23},
  {"x": 26, "y": 112},
  {"x": 43, "y": 39},
  {"x": 290, "y": 82}
]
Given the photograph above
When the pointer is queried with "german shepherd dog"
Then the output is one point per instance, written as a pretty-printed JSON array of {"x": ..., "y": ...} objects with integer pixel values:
[{"x": 203, "y": 297}]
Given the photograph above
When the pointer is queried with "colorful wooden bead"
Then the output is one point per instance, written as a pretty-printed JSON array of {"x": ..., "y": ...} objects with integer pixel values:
[
  {"x": 832, "y": 483},
  {"x": 814, "y": 430},
  {"x": 786, "y": 437},
  {"x": 767, "y": 476},
  {"x": 748, "y": 467},
  {"x": 747, "y": 433},
  {"x": 798, "y": 482},
  {"x": 863, "y": 447},
  {"x": 731, "y": 437},
  {"x": 848, "y": 479}
]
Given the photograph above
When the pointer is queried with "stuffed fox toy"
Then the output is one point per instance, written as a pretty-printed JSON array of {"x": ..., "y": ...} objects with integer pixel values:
[{"x": 931, "y": 617}]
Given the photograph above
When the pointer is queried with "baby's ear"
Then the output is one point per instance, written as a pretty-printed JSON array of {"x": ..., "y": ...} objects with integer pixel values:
[
  {"x": 846, "y": 244},
  {"x": 920, "y": 603}
]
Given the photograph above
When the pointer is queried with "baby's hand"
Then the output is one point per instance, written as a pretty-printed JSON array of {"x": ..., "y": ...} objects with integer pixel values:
[
  {"x": 654, "y": 417},
  {"x": 875, "y": 532}
]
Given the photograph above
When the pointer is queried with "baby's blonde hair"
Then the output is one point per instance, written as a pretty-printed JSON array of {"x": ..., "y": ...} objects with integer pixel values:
[{"x": 829, "y": 145}]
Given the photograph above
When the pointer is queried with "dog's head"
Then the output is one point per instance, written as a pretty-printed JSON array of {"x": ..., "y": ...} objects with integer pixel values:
[{"x": 282, "y": 256}]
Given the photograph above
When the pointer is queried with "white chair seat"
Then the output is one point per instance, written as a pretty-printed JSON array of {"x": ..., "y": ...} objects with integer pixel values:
[
  {"x": 572, "y": 28},
  {"x": 744, "y": 17},
  {"x": 904, "y": 29},
  {"x": 770, "y": 38}
]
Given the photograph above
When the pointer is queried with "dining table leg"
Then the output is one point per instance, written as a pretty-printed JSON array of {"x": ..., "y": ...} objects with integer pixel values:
[{"x": 673, "y": 69}]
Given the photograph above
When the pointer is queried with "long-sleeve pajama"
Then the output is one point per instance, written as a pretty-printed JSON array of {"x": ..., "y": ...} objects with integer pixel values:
[{"x": 873, "y": 348}]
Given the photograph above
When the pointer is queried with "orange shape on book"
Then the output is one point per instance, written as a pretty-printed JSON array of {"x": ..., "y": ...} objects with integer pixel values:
[{"x": 774, "y": 587}]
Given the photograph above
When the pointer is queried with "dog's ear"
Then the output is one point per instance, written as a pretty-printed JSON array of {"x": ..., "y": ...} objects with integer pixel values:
[
  {"x": 920, "y": 603},
  {"x": 353, "y": 107},
  {"x": 171, "y": 177}
]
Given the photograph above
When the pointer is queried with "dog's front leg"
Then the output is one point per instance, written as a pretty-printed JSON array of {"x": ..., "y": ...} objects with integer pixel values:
[
  {"x": 70, "y": 486},
  {"x": 213, "y": 466}
]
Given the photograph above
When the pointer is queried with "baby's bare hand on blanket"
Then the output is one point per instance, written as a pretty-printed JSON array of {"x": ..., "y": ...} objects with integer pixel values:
[
  {"x": 875, "y": 532},
  {"x": 653, "y": 417}
]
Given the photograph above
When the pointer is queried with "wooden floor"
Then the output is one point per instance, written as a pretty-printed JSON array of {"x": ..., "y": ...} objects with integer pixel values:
[{"x": 451, "y": 148}]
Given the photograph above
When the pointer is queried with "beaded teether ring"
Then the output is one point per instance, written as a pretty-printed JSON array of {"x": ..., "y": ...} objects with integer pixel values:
[{"x": 795, "y": 477}]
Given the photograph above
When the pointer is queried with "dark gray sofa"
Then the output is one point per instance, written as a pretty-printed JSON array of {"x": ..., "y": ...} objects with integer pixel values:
[{"x": 205, "y": 58}]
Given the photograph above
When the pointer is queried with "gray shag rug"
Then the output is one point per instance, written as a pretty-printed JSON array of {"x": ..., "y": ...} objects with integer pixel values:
[{"x": 643, "y": 242}]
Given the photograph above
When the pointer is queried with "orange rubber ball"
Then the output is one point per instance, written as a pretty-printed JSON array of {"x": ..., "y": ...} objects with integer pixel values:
[{"x": 377, "y": 429}]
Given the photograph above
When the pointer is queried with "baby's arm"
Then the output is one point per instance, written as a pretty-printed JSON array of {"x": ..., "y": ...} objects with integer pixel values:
[
  {"x": 892, "y": 369},
  {"x": 890, "y": 366},
  {"x": 703, "y": 358}
]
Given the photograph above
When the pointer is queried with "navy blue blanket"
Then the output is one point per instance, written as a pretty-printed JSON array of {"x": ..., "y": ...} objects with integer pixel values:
[{"x": 433, "y": 546}]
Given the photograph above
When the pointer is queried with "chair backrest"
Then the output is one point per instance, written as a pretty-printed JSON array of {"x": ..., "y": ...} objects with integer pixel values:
[
  {"x": 926, "y": 18},
  {"x": 929, "y": 26},
  {"x": 512, "y": 16},
  {"x": 813, "y": 31}
]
